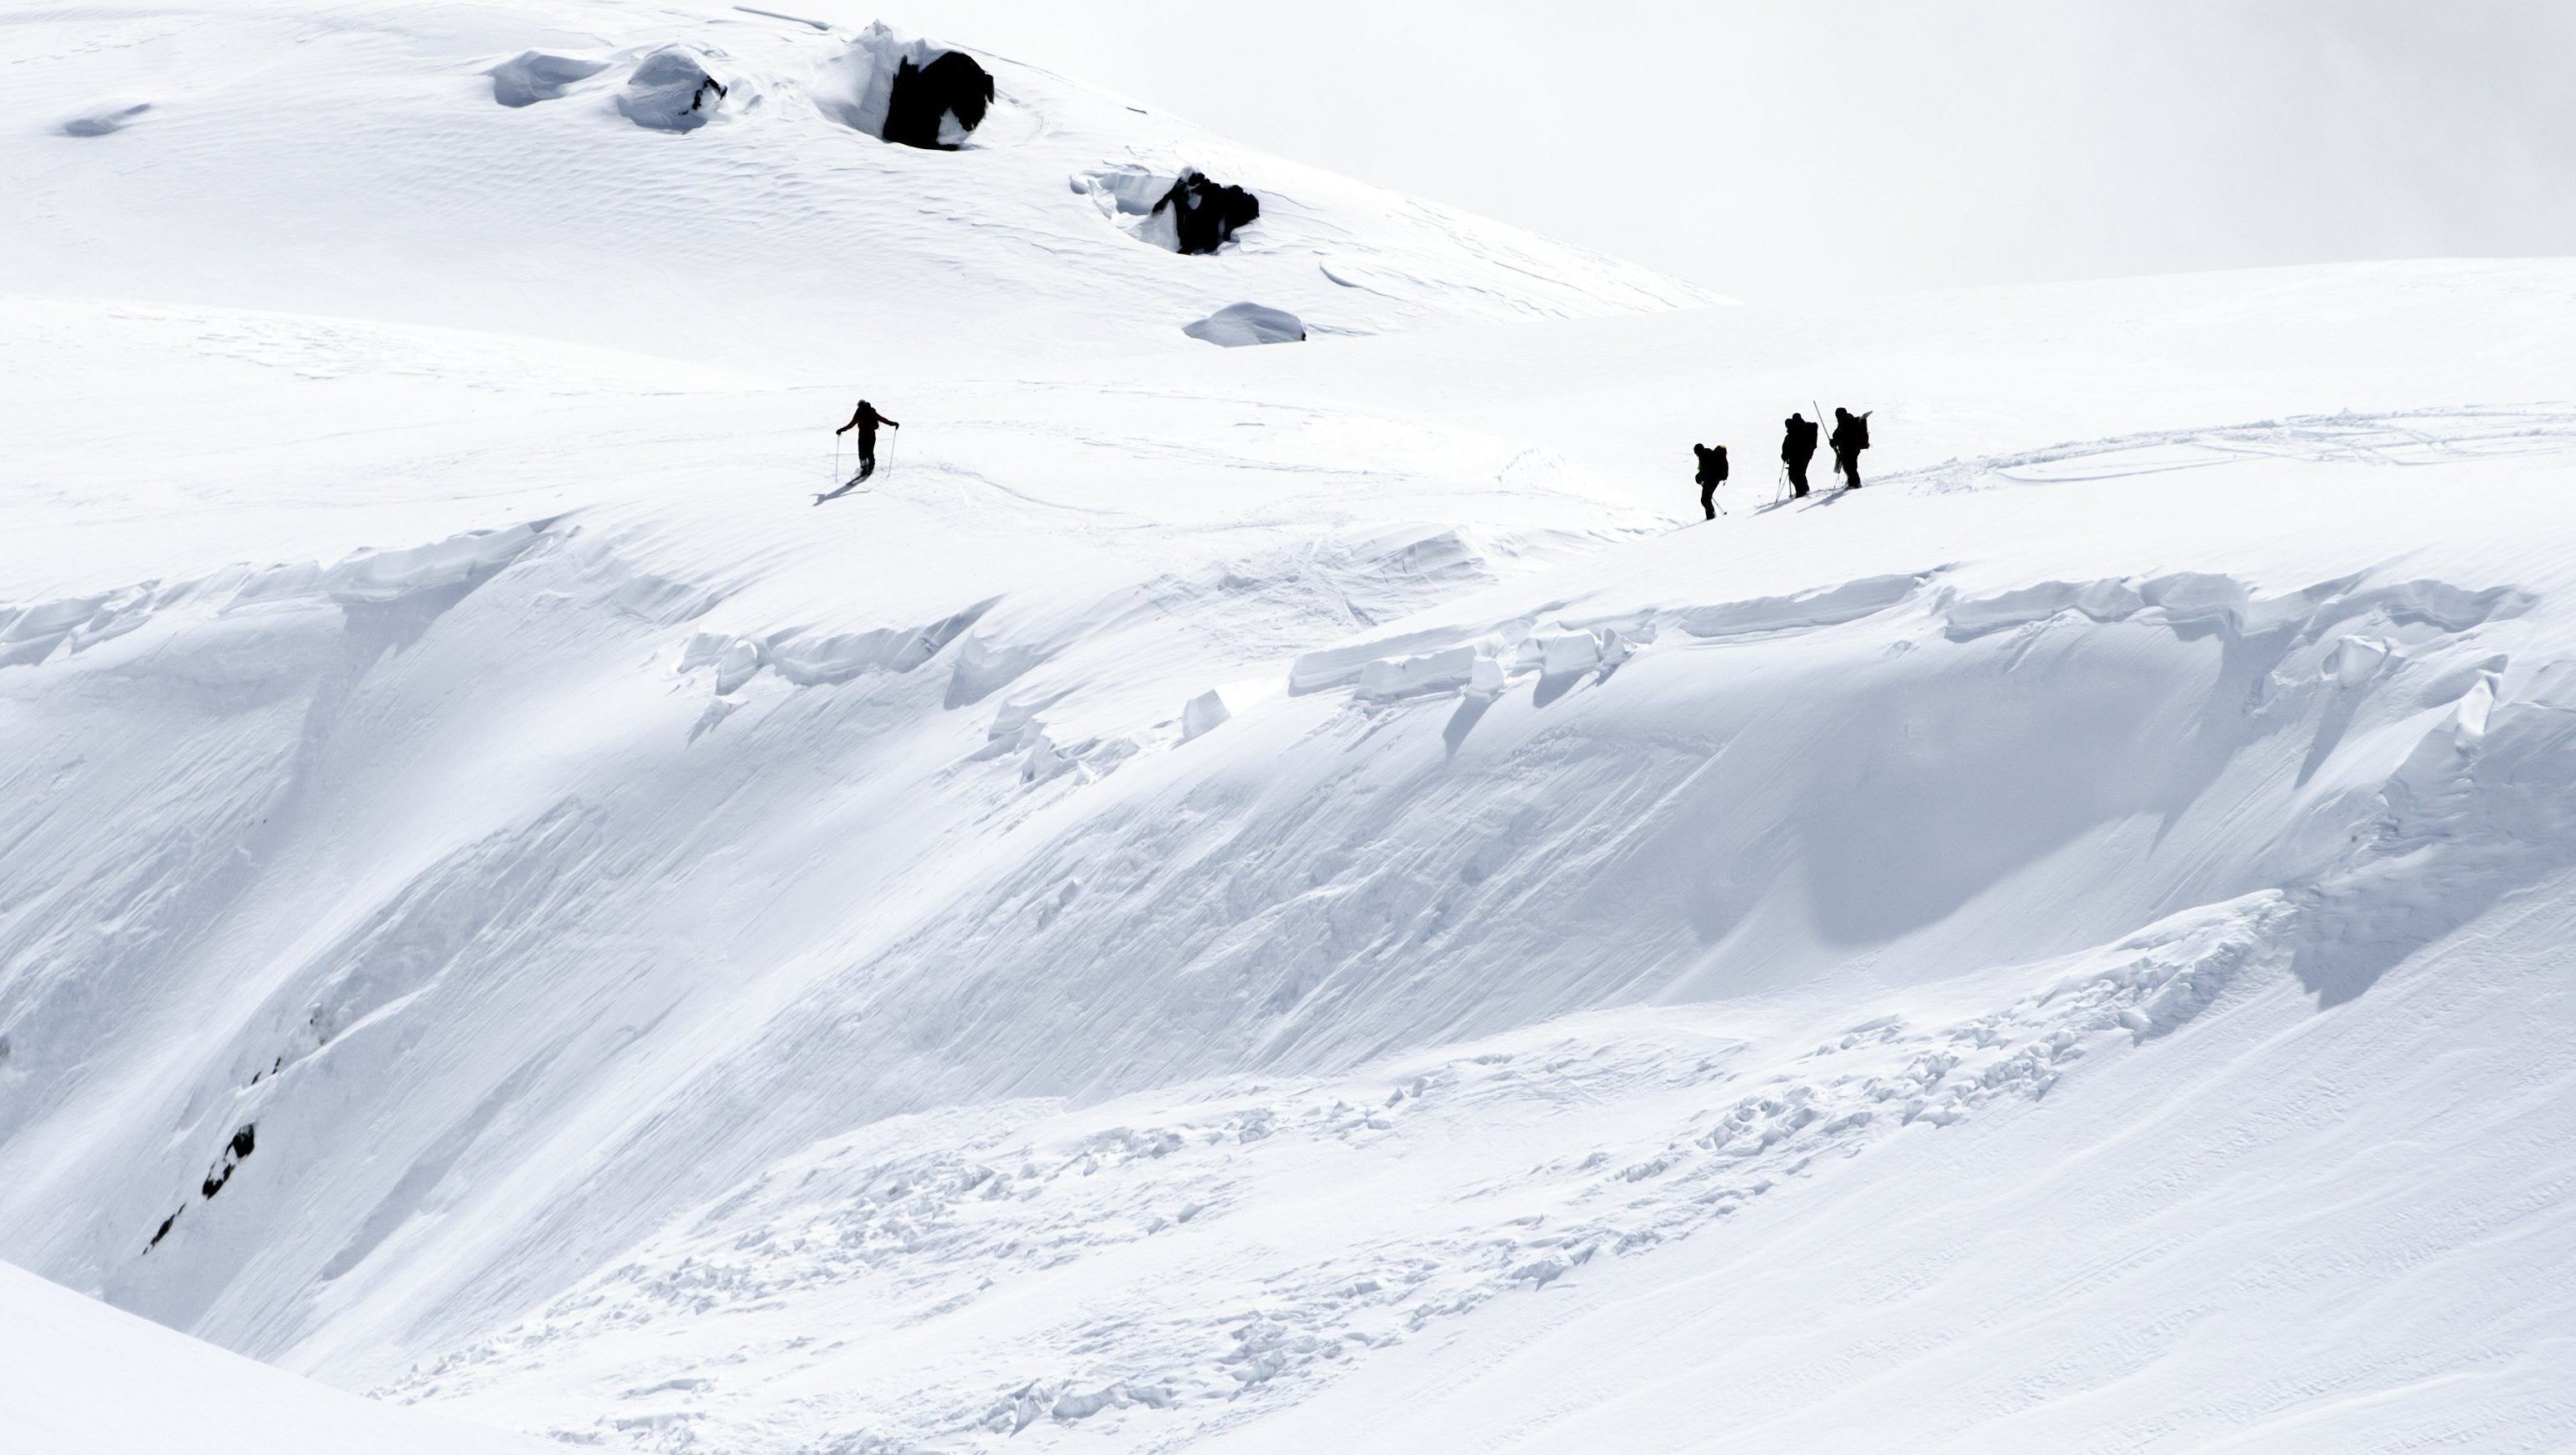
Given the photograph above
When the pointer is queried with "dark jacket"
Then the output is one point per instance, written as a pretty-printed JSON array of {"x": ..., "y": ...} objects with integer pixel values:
[
  {"x": 865, "y": 420},
  {"x": 1798, "y": 439}
]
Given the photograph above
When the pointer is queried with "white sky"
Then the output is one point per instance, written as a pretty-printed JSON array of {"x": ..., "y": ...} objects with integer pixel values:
[{"x": 1865, "y": 145}]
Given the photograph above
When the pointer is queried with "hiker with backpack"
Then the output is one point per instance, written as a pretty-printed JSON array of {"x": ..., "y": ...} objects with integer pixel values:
[
  {"x": 1797, "y": 447},
  {"x": 1712, "y": 473},
  {"x": 1850, "y": 437}
]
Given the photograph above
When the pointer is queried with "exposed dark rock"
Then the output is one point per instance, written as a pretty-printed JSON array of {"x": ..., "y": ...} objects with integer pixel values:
[
  {"x": 243, "y": 1140},
  {"x": 1206, "y": 212},
  {"x": 924, "y": 97}
]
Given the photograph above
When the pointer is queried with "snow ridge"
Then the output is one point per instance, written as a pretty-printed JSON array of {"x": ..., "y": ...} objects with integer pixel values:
[{"x": 1246, "y": 899}]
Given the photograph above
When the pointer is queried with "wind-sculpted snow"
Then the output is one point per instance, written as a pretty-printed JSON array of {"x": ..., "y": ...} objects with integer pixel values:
[
  {"x": 105, "y": 118},
  {"x": 938, "y": 1224},
  {"x": 781, "y": 231},
  {"x": 375, "y": 578},
  {"x": 1238, "y": 325},
  {"x": 718, "y": 882},
  {"x": 533, "y": 76},
  {"x": 672, "y": 90},
  {"x": 1250, "y": 898},
  {"x": 2404, "y": 437}
]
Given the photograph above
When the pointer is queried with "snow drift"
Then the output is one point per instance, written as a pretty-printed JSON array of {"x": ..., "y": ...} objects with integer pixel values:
[
  {"x": 1238, "y": 324},
  {"x": 533, "y": 76},
  {"x": 105, "y": 118},
  {"x": 670, "y": 90}
]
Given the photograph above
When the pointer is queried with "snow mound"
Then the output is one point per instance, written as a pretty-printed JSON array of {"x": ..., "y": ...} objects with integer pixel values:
[
  {"x": 1238, "y": 324},
  {"x": 670, "y": 90},
  {"x": 1126, "y": 194},
  {"x": 106, "y": 117},
  {"x": 533, "y": 76},
  {"x": 905, "y": 90}
]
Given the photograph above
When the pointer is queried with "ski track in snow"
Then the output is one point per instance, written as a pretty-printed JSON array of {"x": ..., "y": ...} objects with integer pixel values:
[{"x": 2410, "y": 437}]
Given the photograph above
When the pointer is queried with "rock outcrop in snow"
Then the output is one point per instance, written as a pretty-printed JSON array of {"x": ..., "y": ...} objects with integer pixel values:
[
  {"x": 1204, "y": 214},
  {"x": 905, "y": 90},
  {"x": 1184, "y": 212}
]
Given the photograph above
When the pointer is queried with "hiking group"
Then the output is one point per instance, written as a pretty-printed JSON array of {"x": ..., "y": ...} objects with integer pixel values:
[{"x": 1797, "y": 447}]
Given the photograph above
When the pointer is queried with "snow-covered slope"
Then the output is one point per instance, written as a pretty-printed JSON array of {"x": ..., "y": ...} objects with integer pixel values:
[
  {"x": 1259, "y": 897},
  {"x": 85, "y": 1379},
  {"x": 357, "y": 159}
]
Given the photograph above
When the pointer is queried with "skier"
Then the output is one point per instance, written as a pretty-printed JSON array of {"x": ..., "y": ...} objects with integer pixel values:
[
  {"x": 1850, "y": 437},
  {"x": 1712, "y": 473},
  {"x": 1797, "y": 447},
  {"x": 865, "y": 420}
]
